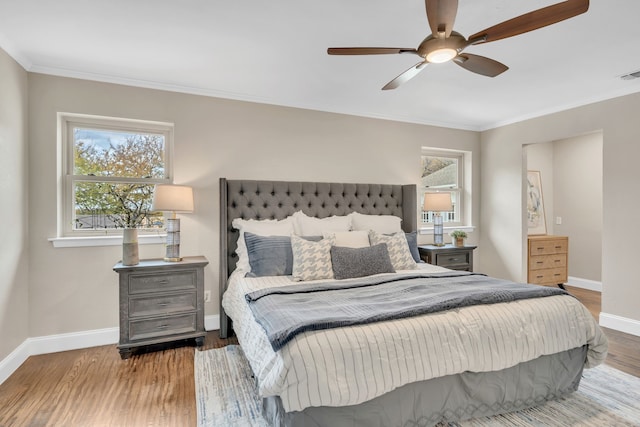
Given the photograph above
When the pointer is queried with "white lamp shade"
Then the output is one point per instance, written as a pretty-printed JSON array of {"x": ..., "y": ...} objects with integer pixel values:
[
  {"x": 174, "y": 198},
  {"x": 437, "y": 202}
]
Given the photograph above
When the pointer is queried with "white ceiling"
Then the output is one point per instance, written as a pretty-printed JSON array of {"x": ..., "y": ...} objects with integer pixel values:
[{"x": 275, "y": 52}]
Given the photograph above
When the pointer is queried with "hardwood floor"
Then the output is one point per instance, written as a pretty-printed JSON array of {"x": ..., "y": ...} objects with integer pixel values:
[{"x": 94, "y": 387}]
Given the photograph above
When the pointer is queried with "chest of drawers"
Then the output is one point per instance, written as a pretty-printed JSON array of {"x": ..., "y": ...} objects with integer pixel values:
[
  {"x": 161, "y": 302},
  {"x": 547, "y": 260}
]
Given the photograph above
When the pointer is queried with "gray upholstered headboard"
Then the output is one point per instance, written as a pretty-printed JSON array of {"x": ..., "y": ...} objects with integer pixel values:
[{"x": 250, "y": 199}]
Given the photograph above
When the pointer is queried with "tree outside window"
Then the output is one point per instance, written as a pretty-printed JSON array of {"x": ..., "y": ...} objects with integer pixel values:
[{"x": 112, "y": 174}]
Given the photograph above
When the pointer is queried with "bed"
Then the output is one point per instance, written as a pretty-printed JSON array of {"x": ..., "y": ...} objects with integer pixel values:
[{"x": 466, "y": 362}]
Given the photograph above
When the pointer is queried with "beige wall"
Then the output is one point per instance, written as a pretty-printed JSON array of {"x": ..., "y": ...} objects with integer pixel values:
[
  {"x": 503, "y": 206},
  {"x": 75, "y": 289},
  {"x": 14, "y": 283},
  {"x": 577, "y": 182}
]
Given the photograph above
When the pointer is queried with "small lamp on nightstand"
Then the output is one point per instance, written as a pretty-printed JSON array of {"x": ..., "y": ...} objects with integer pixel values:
[
  {"x": 437, "y": 202},
  {"x": 172, "y": 198}
]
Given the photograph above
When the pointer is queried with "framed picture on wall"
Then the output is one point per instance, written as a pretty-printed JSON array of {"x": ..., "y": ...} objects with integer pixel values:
[{"x": 536, "y": 223}]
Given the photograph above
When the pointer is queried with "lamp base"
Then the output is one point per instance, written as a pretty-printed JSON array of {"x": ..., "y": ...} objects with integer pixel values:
[{"x": 172, "y": 253}]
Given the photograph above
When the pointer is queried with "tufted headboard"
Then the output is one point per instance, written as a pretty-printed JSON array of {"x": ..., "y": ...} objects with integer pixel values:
[{"x": 249, "y": 199}]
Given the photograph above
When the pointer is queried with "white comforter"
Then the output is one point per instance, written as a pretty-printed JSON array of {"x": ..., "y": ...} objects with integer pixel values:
[{"x": 347, "y": 366}]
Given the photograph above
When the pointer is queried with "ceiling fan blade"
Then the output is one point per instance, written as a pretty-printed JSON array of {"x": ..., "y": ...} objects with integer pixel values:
[
  {"x": 406, "y": 76},
  {"x": 368, "y": 50},
  {"x": 480, "y": 64},
  {"x": 531, "y": 21},
  {"x": 441, "y": 15}
]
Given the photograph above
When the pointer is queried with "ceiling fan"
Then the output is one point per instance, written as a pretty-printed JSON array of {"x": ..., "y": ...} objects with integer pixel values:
[{"x": 444, "y": 44}]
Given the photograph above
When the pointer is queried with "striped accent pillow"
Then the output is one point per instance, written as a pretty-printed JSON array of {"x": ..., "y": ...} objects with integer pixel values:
[
  {"x": 398, "y": 247},
  {"x": 311, "y": 260}
]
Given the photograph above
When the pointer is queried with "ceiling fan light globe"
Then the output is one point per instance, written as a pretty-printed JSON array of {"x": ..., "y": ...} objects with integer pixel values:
[{"x": 439, "y": 56}]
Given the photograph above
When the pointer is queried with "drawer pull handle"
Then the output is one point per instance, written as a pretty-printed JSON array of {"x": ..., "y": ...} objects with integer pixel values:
[
  {"x": 557, "y": 274},
  {"x": 452, "y": 259},
  {"x": 558, "y": 247},
  {"x": 163, "y": 304},
  {"x": 539, "y": 262},
  {"x": 556, "y": 260},
  {"x": 539, "y": 277},
  {"x": 541, "y": 248},
  {"x": 163, "y": 281},
  {"x": 163, "y": 326}
]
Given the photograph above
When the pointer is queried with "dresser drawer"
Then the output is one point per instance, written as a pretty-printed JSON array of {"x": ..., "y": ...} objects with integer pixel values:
[
  {"x": 547, "y": 261},
  {"x": 548, "y": 276},
  {"x": 162, "y": 304},
  {"x": 162, "y": 326},
  {"x": 548, "y": 247},
  {"x": 162, "y": 281}
]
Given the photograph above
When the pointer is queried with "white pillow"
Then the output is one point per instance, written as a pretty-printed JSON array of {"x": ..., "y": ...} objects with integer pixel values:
[
  {"x": 311, "y": 260},
  {"x": 267, "y": 227},
  {"x": 398, "y": 248},
  {"x": 350, "y": 239},
  {"x": 310, "y": 226},
  {"x": 384, "y": 224}
]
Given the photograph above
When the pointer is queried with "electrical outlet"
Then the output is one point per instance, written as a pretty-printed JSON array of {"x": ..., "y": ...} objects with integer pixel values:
[{"x": 207, "y": 296}]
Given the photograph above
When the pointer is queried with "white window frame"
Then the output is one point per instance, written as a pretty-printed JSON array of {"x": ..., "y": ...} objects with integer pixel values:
[
  {"x": 66, "y": 124},
  {"x": 463, "y": 159}
]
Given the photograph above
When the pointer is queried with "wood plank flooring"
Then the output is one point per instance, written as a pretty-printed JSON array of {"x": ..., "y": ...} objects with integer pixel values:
[{"x": 94, "y": 387}]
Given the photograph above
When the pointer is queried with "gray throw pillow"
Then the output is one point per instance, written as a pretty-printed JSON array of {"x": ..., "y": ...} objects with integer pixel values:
[
  {"x": 271, "y": 255},
  {"x": 359, "y": 262},
  {"x": 412, "y": 241}
]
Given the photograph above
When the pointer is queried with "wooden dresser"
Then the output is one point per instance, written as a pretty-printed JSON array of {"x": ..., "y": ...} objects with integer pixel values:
[{"x": 547, "y": 260}]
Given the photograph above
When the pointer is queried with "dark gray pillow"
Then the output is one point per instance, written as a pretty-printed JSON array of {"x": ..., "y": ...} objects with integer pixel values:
[
  {"x": 360, "y": 262},
  {"x": 412, "y": 240},
  {"x": 271, "y": 255}
]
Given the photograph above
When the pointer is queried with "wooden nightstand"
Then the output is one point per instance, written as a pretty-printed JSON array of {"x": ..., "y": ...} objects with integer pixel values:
[
  {"x": 161, "y": 302},
  {"x": 449, "y": 256}
]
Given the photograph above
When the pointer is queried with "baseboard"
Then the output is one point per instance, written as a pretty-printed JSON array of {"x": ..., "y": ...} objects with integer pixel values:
[
  {"x": 619, "y": 323},
  {"x": 70, "y": 341},
  {"x": 9, "y": 364},
  {"x": 591, "y": 285},
  {"x": 212, "y": 323}
]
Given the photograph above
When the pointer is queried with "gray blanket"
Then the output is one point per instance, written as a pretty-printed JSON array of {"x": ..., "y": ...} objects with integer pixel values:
[{"x": 287, "y": 311}]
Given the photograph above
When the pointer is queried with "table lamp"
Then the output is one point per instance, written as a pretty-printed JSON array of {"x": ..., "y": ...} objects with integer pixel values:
[
  {"x": 436, "y": 203},
  {"x": 172, "y": 198}
]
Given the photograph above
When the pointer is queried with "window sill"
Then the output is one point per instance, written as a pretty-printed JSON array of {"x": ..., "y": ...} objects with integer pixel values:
[
  {"x": 447, "y": 229},
  {"x": 85, "y": 241}
]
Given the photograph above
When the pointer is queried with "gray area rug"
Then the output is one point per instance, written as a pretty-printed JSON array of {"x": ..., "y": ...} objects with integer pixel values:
[{"x": 226, "y": 396}]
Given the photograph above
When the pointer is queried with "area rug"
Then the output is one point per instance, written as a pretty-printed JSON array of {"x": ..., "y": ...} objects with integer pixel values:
[{"x": 226, "y": 396}]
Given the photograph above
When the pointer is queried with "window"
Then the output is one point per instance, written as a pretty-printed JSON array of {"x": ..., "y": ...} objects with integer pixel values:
[
  {"x": 110, "y": 167},
  {"x": 442, "y": 171}
]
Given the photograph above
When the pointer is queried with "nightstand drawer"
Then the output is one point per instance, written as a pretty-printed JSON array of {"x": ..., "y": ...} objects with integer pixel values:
[
  {"x": 178, "y": 280},
  {"x": 453, "y": 259},
  {"x": 162, "y": 326},
  {"x": 162, "y": 304},
  {"x": 548, "y": 247},
  {"x": 549, "y": 276},
  {"x": 547, "y": 261}
]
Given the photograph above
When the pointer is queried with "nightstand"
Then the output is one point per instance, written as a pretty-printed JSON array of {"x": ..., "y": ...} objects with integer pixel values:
[
  {"x": 449, "y": 256},
  {"x": 161, "y": 302}
]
